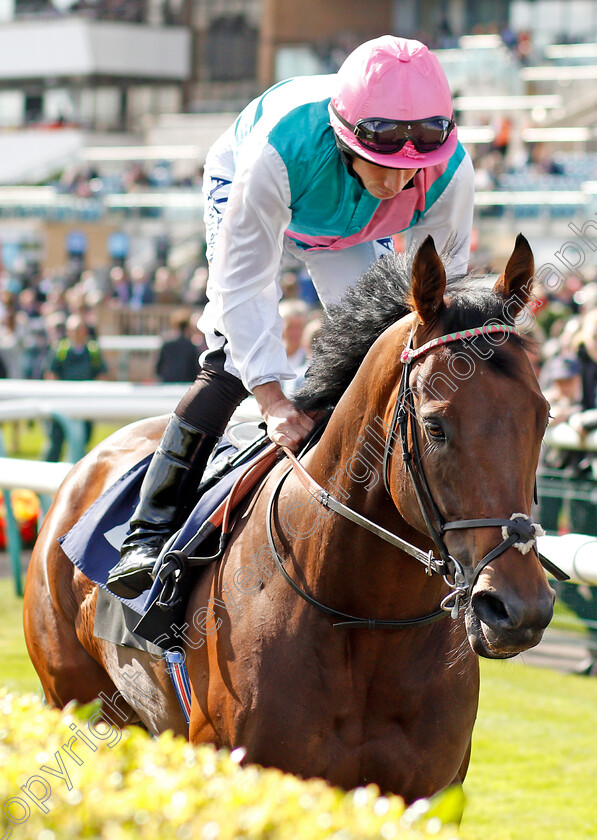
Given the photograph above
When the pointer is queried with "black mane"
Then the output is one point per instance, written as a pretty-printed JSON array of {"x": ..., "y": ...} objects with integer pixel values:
[{"x": 379, "y": 299}]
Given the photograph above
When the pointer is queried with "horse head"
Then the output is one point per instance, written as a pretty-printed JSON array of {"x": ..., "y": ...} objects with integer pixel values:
[{"x": 472, "y": 418}]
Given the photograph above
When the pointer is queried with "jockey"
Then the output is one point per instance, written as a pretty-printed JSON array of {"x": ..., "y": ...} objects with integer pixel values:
[{"x": 327, "y": 168}]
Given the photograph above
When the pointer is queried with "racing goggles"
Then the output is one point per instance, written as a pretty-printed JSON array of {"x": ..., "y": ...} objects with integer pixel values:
[{"x": 388, "y": 136}]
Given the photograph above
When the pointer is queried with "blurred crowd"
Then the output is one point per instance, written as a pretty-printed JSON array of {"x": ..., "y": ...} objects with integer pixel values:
[
  {"x": 86, "y": 181},
  {"x": 566, "y": 364},
  {"x": 34, "y": 312},
  {"x": 51, "y": 325},
  {"x": 35, "y": 307},
  {"x": 39, "y": 311}
]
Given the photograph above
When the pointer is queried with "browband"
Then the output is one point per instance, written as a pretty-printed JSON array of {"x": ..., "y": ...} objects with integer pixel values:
[{"x": 409, "y": 354}]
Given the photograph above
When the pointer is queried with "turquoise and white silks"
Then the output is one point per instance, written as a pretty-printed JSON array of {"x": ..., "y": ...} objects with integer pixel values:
[{"x": 275, "y": 182}]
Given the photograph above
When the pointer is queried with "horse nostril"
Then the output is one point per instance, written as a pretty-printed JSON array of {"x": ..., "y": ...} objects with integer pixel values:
[
  {"x": 512, "y": 613},
  {"x": 492, "y": 611}
]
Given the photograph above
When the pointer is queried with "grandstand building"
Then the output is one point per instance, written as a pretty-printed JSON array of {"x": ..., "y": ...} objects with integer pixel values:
[
  {"x": 112, "y": 105},
  {"x": 103, "y": 64}
]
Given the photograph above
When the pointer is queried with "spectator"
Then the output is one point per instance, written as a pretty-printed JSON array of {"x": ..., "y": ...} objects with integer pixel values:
[
  {"x": 587, "y": 354},
  {"x": 309, "y": 335},
  {"x": 120, "y": 285},
  {"x": 562, "y": 386},
  {"x": 141, "y": 289},
  {"x": 178, "y": 360},
  {"x": 35, "y": 351},
  {"x": 165, "y": 286},
  {"x": 76, "y": 358},
  {"x": 503, "y": 137},
  {"x": 294, "y": 317},
  {"x": 55, "y": 327},
  {"x": 28, "y": 303},
  {"x": 289, "y": 285}
]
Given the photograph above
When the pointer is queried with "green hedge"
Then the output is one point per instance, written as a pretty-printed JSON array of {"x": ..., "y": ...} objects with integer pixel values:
[{"x": 70, "y": 775}]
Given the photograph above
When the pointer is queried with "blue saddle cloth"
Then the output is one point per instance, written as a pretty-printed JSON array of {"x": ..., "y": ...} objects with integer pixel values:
[{"x": 93, "y": 543}]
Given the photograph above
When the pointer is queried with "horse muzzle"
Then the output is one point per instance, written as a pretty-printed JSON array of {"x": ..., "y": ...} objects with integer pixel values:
[{"x": 502, "y": 620}]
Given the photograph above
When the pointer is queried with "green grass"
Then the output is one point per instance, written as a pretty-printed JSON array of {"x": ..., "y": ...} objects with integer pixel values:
[
  {"x": 16, "y": 671},
  {"x": 534, "y": 762}
]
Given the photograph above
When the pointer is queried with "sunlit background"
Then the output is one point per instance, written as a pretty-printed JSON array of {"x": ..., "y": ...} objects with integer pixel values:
[{"x": 107, "y": 109}]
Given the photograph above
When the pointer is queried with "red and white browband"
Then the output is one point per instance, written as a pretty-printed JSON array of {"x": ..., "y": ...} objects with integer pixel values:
[{"x": 408, "y": 354}]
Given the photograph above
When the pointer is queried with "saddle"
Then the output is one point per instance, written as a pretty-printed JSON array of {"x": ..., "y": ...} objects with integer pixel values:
[
  {"x": 240, "y": 473},
  {"x": 231, "y": 478},
  {"x": 242, "y": 458},
  {"x": 178, "y": 556}
]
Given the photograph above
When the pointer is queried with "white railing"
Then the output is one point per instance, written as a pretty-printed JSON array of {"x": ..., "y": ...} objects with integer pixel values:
[
  {"x": 564, "y": 436},
  {"x": 71, "y": 403},
  {"x": 42, "y": 477},
  {"x": 575, "y": 554},
  {"x": 40, "y": 388}
]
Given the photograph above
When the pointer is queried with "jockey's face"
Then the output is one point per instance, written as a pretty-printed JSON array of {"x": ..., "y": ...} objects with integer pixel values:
[{"x": 381, "y": 181}]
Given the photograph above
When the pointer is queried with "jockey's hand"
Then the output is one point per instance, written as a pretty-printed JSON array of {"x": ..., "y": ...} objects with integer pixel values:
[{"x": 286, "y": 425}]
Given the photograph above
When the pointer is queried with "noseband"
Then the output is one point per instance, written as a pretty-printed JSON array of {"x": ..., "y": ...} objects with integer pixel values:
[{"x": 518, "y": 531}]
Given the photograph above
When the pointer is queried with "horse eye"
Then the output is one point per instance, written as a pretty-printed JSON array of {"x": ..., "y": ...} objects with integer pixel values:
[{"x": 434, "y": 430}]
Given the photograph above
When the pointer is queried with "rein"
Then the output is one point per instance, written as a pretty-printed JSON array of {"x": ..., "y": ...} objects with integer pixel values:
[
  {"x": 518, "y": 531},
  {"x": 324, "y": 498}
]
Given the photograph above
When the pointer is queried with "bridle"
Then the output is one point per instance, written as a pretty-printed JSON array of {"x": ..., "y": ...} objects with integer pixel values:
[{"x": 518, "y": 531}]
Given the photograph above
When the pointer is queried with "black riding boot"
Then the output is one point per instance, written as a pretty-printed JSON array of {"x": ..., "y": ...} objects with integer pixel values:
[{"x": 166, "y": 495}]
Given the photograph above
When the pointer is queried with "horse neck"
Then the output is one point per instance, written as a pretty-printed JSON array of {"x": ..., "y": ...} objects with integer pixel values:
[{"x": 350, "y": 562}]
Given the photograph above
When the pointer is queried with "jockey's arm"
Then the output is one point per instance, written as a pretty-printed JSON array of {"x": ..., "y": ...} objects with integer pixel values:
[{"x": 244, "y": 281}]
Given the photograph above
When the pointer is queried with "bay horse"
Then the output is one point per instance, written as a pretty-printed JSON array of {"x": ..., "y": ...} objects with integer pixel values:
[{"x": 434, "y": 440}]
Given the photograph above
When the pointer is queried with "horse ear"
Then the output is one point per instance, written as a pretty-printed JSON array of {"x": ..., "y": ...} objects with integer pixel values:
[
  {"x": 515, "y": 283},
  {"x": 428, "y": 282}
]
